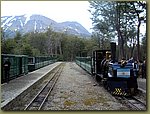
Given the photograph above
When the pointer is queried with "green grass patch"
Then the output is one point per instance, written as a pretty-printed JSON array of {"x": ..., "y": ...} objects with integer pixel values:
[{"x": 69, "y": 103}]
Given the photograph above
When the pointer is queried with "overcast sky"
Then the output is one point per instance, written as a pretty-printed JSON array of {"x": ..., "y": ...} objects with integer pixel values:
[{"x": 59, "y": 11}]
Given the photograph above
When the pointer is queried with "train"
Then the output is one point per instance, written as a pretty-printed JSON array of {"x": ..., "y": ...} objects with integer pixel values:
[
  {"x": 118, "y": 77},
  {"x": 23, "y": 64}
]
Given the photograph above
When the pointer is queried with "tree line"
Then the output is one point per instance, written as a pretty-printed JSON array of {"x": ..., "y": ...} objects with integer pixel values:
[
  {"x": 50, "y": 43},
  {"x": 120, "y": 21}
]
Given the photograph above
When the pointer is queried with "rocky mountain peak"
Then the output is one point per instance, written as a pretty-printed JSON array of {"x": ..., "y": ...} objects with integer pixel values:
[{"x": 39, "y": 23}]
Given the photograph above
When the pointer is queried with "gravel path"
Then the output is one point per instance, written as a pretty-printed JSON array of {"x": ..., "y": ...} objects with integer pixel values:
[{"x": 77, "y": 90}]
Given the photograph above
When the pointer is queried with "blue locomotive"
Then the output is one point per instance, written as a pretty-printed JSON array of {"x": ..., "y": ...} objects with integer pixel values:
[{"x": 117, "y": 77}]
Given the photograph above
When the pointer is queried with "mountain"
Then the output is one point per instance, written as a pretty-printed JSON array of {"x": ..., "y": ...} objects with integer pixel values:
[{"x": 39, "y": 23}]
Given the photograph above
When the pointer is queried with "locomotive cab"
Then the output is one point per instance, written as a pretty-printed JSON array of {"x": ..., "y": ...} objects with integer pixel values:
[{"x": 99, "y": 58}]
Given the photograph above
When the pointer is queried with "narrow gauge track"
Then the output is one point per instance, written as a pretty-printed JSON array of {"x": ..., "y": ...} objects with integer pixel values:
[
  {"x": 38, "y": 101},
  {"x": 133, "y": 102}
]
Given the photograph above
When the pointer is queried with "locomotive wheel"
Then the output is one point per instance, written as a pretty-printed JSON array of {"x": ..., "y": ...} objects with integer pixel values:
[
  {"x": 105, "y": 84},
  {"x": 98, "y": 78},
  {"x": 132, "y": 91}
]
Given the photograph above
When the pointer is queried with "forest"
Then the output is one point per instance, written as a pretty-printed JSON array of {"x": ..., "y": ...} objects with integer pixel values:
[{"x": 115, "y": 21}]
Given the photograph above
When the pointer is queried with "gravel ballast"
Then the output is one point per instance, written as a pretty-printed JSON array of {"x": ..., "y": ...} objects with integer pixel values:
[{"x": 77, "y": 90}]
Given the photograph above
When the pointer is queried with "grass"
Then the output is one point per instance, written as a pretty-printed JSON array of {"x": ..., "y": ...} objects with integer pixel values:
[
  {"x": 92, "y": 101},
  {"x": 69, "y": 103}
]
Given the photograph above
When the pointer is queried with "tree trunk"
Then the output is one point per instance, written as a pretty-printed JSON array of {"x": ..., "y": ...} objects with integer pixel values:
[
  {"x": 132, "y": 49},
  {"x": 138, "y": 39},
  {"x": 120, "y": 37}
]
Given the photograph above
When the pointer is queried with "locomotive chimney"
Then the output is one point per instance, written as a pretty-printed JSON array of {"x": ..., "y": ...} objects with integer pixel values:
[{"x": 113, "y": 51}]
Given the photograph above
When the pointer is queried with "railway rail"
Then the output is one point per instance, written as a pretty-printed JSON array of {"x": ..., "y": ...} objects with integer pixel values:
[
  {"x": 135, "y": 103},
  {"x": 132, "y": 102},
  {"x": 38, "y": 101}
]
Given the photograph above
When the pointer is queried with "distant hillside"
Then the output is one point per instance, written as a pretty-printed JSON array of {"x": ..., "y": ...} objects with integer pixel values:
[{"x": 39, "y": 23}]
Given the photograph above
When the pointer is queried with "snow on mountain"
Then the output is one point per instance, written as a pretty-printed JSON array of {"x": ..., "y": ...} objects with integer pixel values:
[
  {"x": 27, "y": 18},
  {"x": 6, "y": 20},
  {"x": 39, "y": 23}
]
